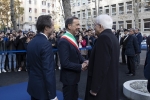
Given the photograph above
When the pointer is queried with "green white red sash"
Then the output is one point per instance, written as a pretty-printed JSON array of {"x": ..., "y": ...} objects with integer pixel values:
[{"x": 68, "y": 36}]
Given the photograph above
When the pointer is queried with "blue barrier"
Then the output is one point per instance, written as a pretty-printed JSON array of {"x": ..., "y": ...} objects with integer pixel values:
[{"x": 54, "y": 50}]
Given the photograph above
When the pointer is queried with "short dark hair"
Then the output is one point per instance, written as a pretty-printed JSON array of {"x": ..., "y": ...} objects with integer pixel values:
[
  {"x": 42, "y": 22},
  {"x": 69, "y": 21}
]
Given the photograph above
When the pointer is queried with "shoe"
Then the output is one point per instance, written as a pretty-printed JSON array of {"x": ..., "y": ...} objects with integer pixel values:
[
  {"x": 3, "y": 70},
  {"x": 59, "y": 68},
  {"x": 15, "y": 70},
  {"x": 123, "y": 63},
  {"x": 131, "y": 74},
  {"x": 9, "y": 70},
  {"x": 19, "y": 69},
  {"x": 128, "y": 73}
]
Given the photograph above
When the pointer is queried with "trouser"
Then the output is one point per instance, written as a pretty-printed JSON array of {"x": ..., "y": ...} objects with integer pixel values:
[
  {"x": 131, "y": 64},
  {"x": 70, "y": 92},
  {"x": 123, "y": 55},
  {"x": 11, "y": 57},
  {"x": 137, "y": 60},
  {"x": 21, "y": 57},
  {"x": 32, "y": 98},
  {"x": 2, "y": 61}
]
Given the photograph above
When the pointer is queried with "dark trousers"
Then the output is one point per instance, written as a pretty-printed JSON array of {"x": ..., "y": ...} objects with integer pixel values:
[
  {"x": 131, "y": 64},
  {"x": 70, "y": 92},
  {"x": 32, "y": 98},
  {"x": 137, "y": 60},
  {"x": 123, "y": 55},
  {"x": 21, "y": 57}
]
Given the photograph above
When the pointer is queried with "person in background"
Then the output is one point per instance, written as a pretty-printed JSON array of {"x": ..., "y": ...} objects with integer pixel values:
[
  {"x": 144, "y": 36},
  {"x": 103, "y": 66},
  {"x": 140, "y": 39},
  {"x": 132, "y": 49},
  {"x": 11, "y": 45}
]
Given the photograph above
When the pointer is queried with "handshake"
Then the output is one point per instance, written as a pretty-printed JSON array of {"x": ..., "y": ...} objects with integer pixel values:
[{"x": 84, "y": 65}]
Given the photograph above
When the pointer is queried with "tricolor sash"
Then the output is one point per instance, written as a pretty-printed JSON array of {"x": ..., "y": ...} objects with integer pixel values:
[{"x": 70, "y": 38}]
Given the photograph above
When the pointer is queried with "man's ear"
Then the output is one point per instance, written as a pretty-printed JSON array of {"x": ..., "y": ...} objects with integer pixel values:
[{"x": 69, "y": 26}]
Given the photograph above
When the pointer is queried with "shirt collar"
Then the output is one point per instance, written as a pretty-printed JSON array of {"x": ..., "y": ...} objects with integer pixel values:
[{"x": 44, "y": 35}]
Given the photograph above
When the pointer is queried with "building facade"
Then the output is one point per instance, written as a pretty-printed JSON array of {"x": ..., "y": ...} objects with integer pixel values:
[
  {"x": 34, "y": 8},
  {"x": 122, "y": 12}
]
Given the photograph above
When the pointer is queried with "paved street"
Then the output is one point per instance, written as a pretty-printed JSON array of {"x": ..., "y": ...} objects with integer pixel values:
[{"x": 13, "y": 78}]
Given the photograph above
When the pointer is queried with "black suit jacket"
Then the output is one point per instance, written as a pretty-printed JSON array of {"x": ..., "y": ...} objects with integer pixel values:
[
  {"x": 41, "y": 69},
  {"x": 103, "y": 68},
  {"x": 71, "y": 60}
]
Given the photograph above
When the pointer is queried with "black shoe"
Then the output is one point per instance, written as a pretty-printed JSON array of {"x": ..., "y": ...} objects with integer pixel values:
[
  {"x": 128, "y": 73},
  {"x": 131, "y": 74},
  {"x": 123, "y": 63}
]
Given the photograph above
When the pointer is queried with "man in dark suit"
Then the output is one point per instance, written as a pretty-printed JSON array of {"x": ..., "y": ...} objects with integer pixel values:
[
  {"x": 40, "y": 62},
  {"x": 102, "y": 81},
  {"x": 132, "y": 49},
  {"x": 140, "y": 39},
  {"x": 71, "y": 60}
]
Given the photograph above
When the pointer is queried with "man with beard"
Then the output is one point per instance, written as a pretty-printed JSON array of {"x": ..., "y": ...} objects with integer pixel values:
[
  {"x": 40, "y": 62},
  {"x": 102, "y": 81},
  {"x": 72, "y": 63}
]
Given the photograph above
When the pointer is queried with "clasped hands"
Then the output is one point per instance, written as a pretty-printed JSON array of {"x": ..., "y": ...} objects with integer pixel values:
[{"x": 84, "y": 65}]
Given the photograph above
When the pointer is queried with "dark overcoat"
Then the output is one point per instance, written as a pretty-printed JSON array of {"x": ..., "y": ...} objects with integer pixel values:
[{"x": 103, "y": 68}]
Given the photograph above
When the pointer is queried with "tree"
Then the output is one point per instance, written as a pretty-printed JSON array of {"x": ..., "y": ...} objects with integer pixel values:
[{"x": 67, "y": 8}]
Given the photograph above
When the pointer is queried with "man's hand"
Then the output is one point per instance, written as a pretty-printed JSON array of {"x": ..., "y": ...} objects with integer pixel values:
[
  {"x": 92, "y": 93},
  {"x": 87, "y": 62},
  {"x": 84, "y": 66}
]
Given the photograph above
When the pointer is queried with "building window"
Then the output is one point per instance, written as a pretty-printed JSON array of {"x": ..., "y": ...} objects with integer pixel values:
[
  {"x": 83, "y": 26},
  {"x": 30, "y": 18},
  {"x": 121, "y": 8},
  {"x": 107, "y": 10},
  {"x": 35, "y": 10},
  {"x": 147, "y": 24},
  {"x": 114, "y": 25},
  {"x": 48, "y": 4},
  {"x": 89, "y": 1},
  {"x": 94, "y": 12},
  {"x": 100, "y": 10},
  {"x": 121, "y": 25},
  {"x": 113, "y": 9},
  {"x": 83, "y": 14},
  {"x": 129, "y": 7},
  {"x": 53, "y": 5},
  {"x": 78, "y": 12},
  {"x": 89, "y": 13},
  {"x": 139, "y": 23},
  {"x": 73, "y": 13},
  {"x": 78, "y": 3},
  {"x": 29, "y": 1},
  {"x": 43, "y": 10},
  {"x": 43, "y": 3},
  {"x": 48, "y": 11},
  {"x": 35, "y": 18},
  {"x": 147, "y": 6},
  {"x": 139, "y": 6},
  {"x": 35, "y": 2},
  {"x": 129, "y": 24},
  {"x": 30, "y": 10}
]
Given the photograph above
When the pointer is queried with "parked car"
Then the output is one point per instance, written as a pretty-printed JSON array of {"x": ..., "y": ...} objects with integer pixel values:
[{"x": 143, "y": 45}]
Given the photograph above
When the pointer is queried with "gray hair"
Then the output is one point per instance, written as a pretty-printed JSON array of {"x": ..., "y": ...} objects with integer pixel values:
[{"x": 104, "y": 20}]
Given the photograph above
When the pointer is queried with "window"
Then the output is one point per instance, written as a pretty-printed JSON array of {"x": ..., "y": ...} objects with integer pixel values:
[
  {"x": 121, "y": 8},
  {"x": 30, "y": 10},
  {"x": 129, "y": 7},
  {"x": 30, "y": 18},
  {"x": 147, "y": 6},
  {"x": 78, "y": 13},
  {"x": 89, "y": 13},
  {"x": 53, "y": 5},
  {"x": 78, "y": 3},
  {"x": 107, "y": 10},
  {"x": 114, "y": 25},
  {"x": 121, "y": 25},
  {"x": 140, "y": 5},
  {"x": 83, "y": 3},
  {"x": 73, "y": 14},
  {"x": 147, "y": 24},
  {"x": 35, "y": 10},
  {"x": 113, "y": 9},
  {"x": 48, "y": 4},
  {"x": 129, "y": 24},
  {"x": 139, "y": 23},
  {"x": 29, "y": 1},
  {"x": 100, "y": 10},
  {"x": 43, "y": 3},
  {"x": 35, "y": 18},
  {"x": 83, "y": 14},
  {"x": 94, "y": 12},
  {"x": 89, "y": 1},
  {"x": 48, "y": 11},
  {"x": 43, "y": 10},
  {"x": 83, "y": 26},
  {"x": 22, "y": 18},
  {"x": 35, "y": 2}
]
